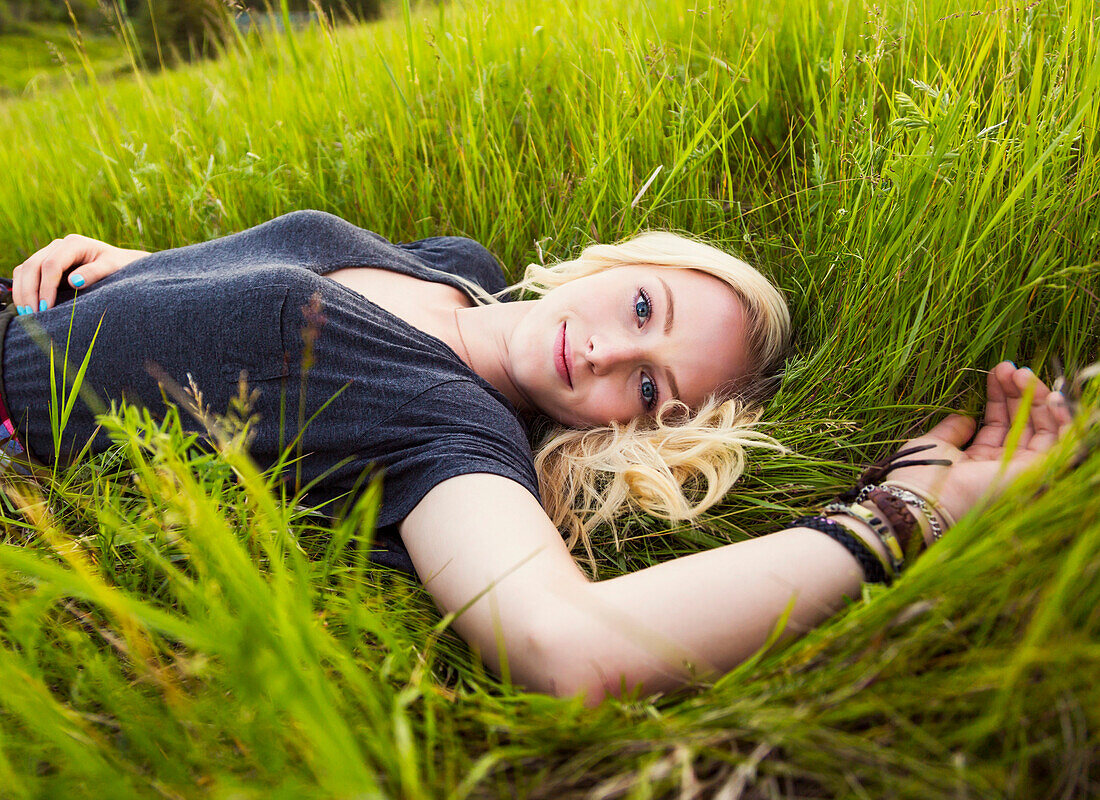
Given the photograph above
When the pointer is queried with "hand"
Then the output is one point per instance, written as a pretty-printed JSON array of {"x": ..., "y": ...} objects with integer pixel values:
[
  {"x": 980, "y": 467},
  {"x": 35, "y": 281}
]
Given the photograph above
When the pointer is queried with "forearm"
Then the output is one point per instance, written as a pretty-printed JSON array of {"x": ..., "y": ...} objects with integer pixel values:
[
  {"x": 524, "y": 605},
  {"x": 709, "y": 611}
]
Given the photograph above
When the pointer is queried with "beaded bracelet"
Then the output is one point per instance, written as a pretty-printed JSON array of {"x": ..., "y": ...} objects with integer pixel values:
[
  {"x": 891, "y": 501},
  {"x": 883, "y": 531},
  {"x": 873, "y": 570},
  {"x": 839, "y": 508}
]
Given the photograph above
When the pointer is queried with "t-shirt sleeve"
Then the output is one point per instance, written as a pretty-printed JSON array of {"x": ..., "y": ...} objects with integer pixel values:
[
  {"x": 453, "y": 429},
  {"x": 322, "y": 243},
  {"x": 457, "y": 255},
  {"x": 314, "y": 240}
]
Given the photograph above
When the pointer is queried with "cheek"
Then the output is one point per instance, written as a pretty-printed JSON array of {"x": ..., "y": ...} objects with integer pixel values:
[
  {"x": 530, "y": 347},
  {"x": 606, "y": 403}
]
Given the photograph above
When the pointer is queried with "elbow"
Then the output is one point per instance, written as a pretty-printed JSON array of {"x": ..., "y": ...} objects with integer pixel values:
[{"x": 560, "y": 661}]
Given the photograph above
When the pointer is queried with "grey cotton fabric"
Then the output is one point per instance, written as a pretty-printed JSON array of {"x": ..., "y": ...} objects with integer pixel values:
[{"x": 405, "y": 402}]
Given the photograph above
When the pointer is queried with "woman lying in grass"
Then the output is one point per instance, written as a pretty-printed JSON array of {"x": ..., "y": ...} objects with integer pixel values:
[{"x": 651, "y": 355}]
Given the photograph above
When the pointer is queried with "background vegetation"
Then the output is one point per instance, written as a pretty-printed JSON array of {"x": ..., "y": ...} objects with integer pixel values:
[
  {"x": 36, "y": 39},
  {"x": 919, "y": 175}
]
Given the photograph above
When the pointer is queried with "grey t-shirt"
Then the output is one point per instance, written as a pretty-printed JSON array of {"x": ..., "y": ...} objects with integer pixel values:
[{"x": 405, "y": 402}]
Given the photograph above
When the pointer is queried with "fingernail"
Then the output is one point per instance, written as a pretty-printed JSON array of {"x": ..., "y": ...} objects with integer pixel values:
[
  {"x": 24, "y": 310},
  {"x": 41, "y": 305},
  {"x": 78, "y": 281},
  {"x": 1013, "y": 363}
]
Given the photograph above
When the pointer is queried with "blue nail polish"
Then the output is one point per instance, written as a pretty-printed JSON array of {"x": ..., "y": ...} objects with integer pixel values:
[
  {"x": 41, "y": 305},
  {"x": 23, "y": 310},
  {"x": 78, "y": 281}
]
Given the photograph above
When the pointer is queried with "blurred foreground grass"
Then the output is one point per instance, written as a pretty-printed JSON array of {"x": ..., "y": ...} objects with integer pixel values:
[{"x": 920, "y": 177}]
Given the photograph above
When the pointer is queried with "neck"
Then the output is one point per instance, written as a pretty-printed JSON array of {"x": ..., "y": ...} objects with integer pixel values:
[{"x": 485, "y": 332}]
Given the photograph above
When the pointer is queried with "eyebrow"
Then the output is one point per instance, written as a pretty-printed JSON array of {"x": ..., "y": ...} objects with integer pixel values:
[{"x": 669, "y": 313}]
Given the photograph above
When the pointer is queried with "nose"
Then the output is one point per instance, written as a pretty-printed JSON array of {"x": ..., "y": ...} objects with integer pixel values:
[{"x": 606, "y": 352}]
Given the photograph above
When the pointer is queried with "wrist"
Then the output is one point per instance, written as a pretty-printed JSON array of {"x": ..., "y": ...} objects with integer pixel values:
[
  {"x": 866, "y": 535},
  {"x": 934, "y": 519},
  {"x": 883, "y": 542}
]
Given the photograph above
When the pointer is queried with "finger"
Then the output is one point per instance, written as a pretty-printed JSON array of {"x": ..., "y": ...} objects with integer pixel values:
[
  {"x": 16, "y": 291},
  {"x": 74, "y": 249},
  {"x": 996, "y": 422},
  {"x": 1015, "y": 388},
  {"x": 26, "y": 275},
  {"x": 84, "y": 276},
  {"x": 1042, "y": 419},
  {"x": 953, "y": 430},
  {"x": 49, "y": 276},
  {"x": 1062, "y": 411},
  {"x": 1046, "y": 433}
]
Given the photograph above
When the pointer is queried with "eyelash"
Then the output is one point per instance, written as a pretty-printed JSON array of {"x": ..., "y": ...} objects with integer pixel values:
[{"x": 641, "y": 297}]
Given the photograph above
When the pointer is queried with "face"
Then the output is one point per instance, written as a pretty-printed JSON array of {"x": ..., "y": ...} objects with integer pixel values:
[{"x": 620, "y": 343}]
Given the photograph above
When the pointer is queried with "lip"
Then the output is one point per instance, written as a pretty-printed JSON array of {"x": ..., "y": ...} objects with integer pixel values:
[{"x": 561, "y": 356}]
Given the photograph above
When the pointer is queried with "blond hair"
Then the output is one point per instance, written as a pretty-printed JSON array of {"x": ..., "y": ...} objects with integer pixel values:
[{"x": 681, "y": 462}]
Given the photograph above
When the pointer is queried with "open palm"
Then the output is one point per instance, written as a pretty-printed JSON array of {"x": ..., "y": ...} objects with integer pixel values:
[{"x": 981, "y": 467}]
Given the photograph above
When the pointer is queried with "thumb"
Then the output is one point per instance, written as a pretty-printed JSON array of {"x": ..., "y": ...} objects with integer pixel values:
[{"x": 954, "y": 429}]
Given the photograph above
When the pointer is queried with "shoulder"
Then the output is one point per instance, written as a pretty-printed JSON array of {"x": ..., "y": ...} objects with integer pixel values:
[
  {"x": 465, "y": 427},
  {"x": 459, "y": 255},
  {"x": 320, "y": 230},
  {"x": 453, "y": 428},
  {"x": 313, "y": 224}
]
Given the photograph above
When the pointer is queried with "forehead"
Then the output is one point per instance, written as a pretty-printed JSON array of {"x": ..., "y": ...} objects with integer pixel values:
[{"x": 693, "y": 290}]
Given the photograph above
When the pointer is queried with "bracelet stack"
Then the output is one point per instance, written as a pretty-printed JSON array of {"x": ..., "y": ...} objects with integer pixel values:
[
  {"x": 874, "y": 570},
  {"x": 904, "y": 518}
]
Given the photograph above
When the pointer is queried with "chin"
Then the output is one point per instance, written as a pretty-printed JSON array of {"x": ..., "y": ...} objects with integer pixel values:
[
  {"x": 573, "y": 421},
  {"x": 559, "y": 417}
]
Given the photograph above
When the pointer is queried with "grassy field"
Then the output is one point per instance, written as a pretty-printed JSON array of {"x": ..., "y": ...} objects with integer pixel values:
[
  {"x": 921, "y": 177},
  {"x": 42, "y": 56}
]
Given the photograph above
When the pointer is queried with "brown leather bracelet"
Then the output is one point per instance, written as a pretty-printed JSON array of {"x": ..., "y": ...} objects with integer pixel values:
[{"x": 899, "y": 516}]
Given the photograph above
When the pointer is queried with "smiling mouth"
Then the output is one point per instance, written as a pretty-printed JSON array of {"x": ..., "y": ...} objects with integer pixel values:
[{"x": 561, "y": 360}]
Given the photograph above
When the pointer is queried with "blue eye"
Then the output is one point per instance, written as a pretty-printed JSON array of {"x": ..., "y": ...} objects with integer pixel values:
[
  {"x": 642, "y": 307},
  {"x": 649, "y": 392}
]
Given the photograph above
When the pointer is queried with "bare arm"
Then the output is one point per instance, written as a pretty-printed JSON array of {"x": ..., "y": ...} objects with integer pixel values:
[
  {"x": 483, "y": 540},
  {"x": 547, "y": 626}
]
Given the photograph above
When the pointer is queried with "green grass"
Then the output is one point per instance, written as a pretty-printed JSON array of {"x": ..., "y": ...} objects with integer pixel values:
[
  {"x": 41, "y": 56},
  {"x": 920, "y": 177}
]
